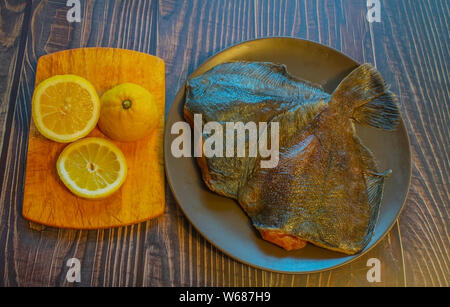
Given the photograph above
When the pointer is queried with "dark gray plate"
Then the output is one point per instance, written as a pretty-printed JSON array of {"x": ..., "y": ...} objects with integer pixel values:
[{"x": 221, "y": 220}]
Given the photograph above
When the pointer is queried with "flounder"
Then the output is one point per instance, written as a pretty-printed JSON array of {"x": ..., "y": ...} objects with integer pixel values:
[{"x": 326, "y": 188}]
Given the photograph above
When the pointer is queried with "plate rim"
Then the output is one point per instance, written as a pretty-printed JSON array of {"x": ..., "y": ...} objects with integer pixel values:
[{"x": 352, "y": 258}]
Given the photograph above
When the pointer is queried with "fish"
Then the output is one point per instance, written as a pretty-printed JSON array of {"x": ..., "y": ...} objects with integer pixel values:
[
  {"x": 326, "y": 188},
  {"x": 243, "y": 92}
]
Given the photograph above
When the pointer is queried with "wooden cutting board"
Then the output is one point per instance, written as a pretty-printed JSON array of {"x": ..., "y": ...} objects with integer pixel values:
[{"x": 46, "y": 200}]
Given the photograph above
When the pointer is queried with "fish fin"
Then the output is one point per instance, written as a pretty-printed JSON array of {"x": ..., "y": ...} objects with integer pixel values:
[
  {"x": 366, "y": 156},
  {"x": 382, "y": 112},
  {"x": 364, "y": 95},
  {"x": 375, "y": 187}
]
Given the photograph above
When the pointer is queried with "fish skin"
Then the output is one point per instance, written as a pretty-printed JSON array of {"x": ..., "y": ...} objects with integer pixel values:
[
  {"x": 243, "y": 92},
  {"x": 313, "y": 193},
  {"x": 326, "y": 188}
]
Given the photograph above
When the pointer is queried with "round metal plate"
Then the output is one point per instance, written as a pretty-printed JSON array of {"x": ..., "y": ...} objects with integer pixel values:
[{"x": 222, "y": 221}]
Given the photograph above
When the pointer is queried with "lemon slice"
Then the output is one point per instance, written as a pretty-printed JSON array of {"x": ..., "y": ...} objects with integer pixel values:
[
  {"x": 92, "y": 167},
  {"x": 65, "y": 108}
]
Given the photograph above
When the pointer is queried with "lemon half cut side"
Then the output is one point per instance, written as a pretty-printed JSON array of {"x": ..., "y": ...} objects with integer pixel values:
[
  {"x": 92, "y": 167},
  {"x": 65, "y": 108}
]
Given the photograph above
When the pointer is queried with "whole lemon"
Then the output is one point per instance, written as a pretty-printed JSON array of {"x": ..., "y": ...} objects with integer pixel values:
[{"x": 128, "y": 112}]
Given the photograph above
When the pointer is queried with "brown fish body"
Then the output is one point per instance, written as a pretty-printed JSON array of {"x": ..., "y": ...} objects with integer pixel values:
[
  {"x": 325, "y": 189},
  {"x": 316, "y": 189}
]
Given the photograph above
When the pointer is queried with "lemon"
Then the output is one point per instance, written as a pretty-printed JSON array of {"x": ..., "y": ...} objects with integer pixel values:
[
  {"x": 128, "y": 113},
  {"x": 92, "y": 167},
  {"x": 65, "y": 108}
]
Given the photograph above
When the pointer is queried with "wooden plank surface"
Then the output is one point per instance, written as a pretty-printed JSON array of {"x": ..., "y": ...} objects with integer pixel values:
[
  {"x": 14, "y": 16},
  {"x": 418, "y": 56},
  {"x": 409, "y": 46}
]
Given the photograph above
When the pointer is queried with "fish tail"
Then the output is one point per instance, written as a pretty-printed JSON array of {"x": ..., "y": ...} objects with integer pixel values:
[{"x": 364, "y": 95}]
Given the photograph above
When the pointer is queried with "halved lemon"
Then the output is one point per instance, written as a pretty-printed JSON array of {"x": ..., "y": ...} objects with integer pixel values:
[
  {"x": 65, "y": 108},
  {"x": 92, "y": 167}
]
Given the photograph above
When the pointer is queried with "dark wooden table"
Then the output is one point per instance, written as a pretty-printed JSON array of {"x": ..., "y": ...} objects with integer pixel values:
[{"x": 410, "y": 46}]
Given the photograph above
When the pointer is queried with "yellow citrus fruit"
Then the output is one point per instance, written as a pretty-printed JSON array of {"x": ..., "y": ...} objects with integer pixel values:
[
  {"x": 65, "y": 108},
  {"x": 128, "y": 113},
  {"x": 92, "y": 167}
]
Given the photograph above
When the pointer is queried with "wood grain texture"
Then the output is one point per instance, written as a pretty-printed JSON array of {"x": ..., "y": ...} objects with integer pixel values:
[
  {"x": 417, "y": 54},
  {"x": 14, "y": 17},
  {"x": 142, "y": 197},
  {"x": 410, "y": 48}
]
